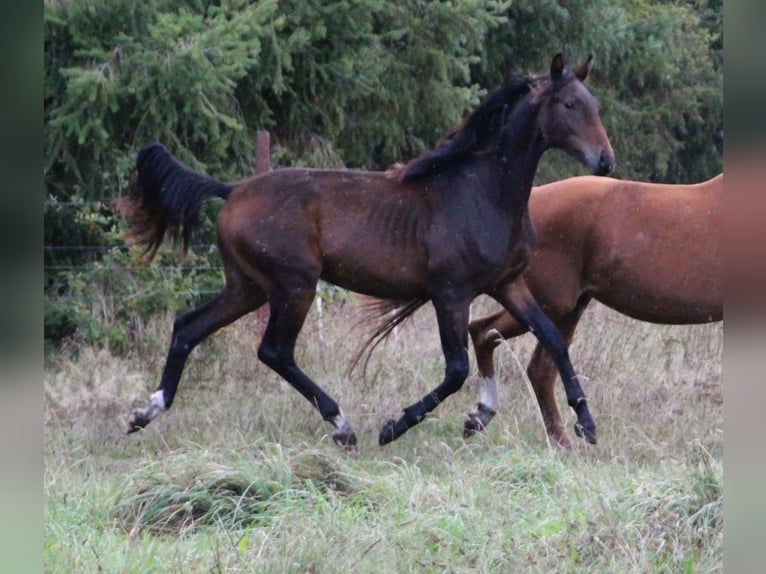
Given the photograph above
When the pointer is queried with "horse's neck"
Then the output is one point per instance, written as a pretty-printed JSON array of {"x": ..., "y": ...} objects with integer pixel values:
[
  {"x": 516, "y": 159},
  {"x": 515, "y": 174}
]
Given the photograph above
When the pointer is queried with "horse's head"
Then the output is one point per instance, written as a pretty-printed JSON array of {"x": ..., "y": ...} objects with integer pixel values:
[
  {"x": 568, "y": 116},
  {"x": 558, "y": 108}
]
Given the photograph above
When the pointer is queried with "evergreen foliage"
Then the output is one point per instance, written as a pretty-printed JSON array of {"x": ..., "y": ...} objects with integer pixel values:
[
  {"x": 355, "y": 83},
  {"x": 361, "y": 83}
]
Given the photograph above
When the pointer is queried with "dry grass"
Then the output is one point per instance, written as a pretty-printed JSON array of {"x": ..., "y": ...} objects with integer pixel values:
[
  {"x": 647, "y": 384},
  {"x": 241, "y": 471}
]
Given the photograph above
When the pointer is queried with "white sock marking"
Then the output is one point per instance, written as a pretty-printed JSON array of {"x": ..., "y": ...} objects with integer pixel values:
[
  {"x": 488, "y": 393},
  {"x": 156, "y": 405}
]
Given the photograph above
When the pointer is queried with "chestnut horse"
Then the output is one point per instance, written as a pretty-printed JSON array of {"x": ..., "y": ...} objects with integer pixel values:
[
  {"x": 653, "y": 252},
  {"x": 446, "y": 227}
]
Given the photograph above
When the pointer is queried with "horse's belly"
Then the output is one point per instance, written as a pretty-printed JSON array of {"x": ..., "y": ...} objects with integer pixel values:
[
  {"x": 655, "y": 278},
  {"x": 670, "y": 302},
  {"x": 388, "y": 278}
]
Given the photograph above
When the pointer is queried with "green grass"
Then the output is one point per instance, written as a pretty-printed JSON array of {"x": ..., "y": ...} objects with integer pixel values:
[{"x": 241, "y": 475}]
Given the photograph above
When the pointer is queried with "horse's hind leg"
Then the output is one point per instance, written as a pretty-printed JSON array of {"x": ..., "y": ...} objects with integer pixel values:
[
  {"x": 542, "y": 372},
  {"x": 277, "y": 350},
  {"x": 518, "y": 300},
  {"x": 487, "y": 333},
  {"x": 452, "y": 316},
  {"x": 188, "y": 331}
]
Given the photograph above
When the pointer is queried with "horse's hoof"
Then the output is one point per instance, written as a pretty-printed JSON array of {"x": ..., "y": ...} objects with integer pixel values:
[
  {"x": 387, "y": 433},
  {"x": 478, "y": 420},
  {"x": 345, "y": 439},
  {"x": 562, "y": 444},
  {"x": 589, "y": 434},
  {"x": 472, "y": 426},
  {"x": 136, "y": 422}
]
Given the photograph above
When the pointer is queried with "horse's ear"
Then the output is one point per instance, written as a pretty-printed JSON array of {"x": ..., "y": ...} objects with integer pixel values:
[
  {"x": 557, "y": 67},
  {"x": 582, "y": 72}
]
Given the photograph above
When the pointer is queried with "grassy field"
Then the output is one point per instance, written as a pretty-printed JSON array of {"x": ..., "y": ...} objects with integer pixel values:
[{"x": 241, "y": 475}]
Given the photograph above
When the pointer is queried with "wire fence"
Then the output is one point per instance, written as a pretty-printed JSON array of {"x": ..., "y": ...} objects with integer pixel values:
[
  {"x": 63, "y": 259},
  {"x": 62, "y": 251},
  {"x": 105, "y": 249}
]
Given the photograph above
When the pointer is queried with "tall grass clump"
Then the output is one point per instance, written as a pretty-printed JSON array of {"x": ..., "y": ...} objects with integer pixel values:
[{"x": 193, "y": 489}]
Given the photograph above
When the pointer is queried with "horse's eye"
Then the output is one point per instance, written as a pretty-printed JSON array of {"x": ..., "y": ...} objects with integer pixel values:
[{"x": 569, "y": 104}]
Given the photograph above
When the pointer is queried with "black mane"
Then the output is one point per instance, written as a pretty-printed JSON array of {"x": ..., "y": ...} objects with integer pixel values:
[{"x": 474, "y": 134}]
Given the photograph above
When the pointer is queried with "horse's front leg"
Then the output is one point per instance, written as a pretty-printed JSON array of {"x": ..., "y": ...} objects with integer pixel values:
[
  {"x": 452, "y": 317},
  {"x": 518, "y": 300},
  {"x": 541, "y": 371}
]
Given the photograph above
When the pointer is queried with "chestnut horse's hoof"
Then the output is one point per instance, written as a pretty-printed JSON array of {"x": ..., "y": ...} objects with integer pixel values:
[
  {"x": 137, "y": 421},
  {"x": 588, "y": 433},
  {"x": 345, "y": 439}
]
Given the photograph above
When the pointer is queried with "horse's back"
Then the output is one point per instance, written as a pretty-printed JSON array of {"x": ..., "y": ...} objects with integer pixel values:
[
  {"x": 651, "y": 251},
  {"x": 358, "y": 229}
]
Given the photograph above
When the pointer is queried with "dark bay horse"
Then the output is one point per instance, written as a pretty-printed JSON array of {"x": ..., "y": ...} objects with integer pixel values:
[
  {"x": 445, "y": 227},
  {"x": 653, "y": 252}
]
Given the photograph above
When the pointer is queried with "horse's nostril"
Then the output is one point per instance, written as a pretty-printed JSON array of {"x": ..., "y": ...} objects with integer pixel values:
[{"x": 605, "y": 163}]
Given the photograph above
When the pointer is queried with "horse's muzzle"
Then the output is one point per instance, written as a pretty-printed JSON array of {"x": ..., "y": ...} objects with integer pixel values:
[{"x": 605, "y": 163}]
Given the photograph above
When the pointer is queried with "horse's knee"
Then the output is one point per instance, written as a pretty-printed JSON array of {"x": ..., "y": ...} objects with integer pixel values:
[
  {"x": 457, "y": 372},
  {"x": 484, "y": 335},
  {"x": 269, "y": 355},
  {"x": 181, "y": 342},
  {"x": 280, "y": 358}
]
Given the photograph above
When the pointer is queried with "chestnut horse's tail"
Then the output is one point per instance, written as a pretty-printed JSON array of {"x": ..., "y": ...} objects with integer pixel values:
[{"x": 166, "y": 197}]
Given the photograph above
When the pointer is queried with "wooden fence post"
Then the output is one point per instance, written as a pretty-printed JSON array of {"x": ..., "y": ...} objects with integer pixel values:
[
  {"x": 262, "y": 152},
  {"x": 262, "y": 165}
]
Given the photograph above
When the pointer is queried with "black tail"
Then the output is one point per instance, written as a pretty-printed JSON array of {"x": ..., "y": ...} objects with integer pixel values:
[
  {"x": 166, "y": 197},
  {"x": 394, "y": 313}
]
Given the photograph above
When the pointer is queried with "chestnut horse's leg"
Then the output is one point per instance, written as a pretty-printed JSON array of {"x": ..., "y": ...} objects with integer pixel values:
[
  {"x": 188, "y": 331},
  {"x": 518, "y": 300},
  {"x": 452, "y": 316},
  {"x": 277, "y": 350}
]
